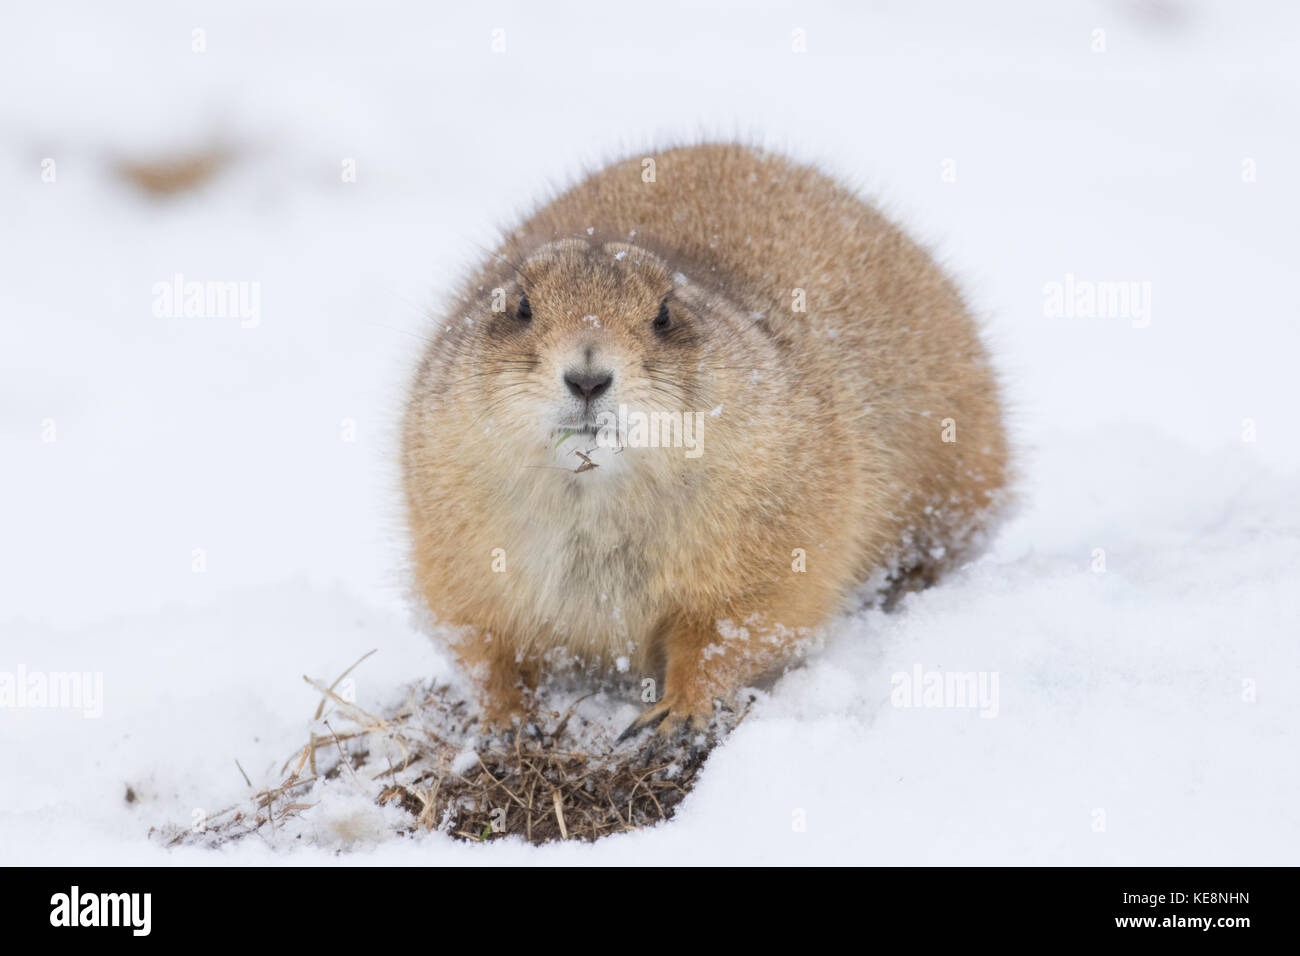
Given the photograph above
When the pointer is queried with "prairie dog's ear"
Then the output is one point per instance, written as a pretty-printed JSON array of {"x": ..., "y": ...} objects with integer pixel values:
[
  {"x": 788, "y": 312},
  {"x": 777, "y": 317},
  {"x": 690, "y": 295}
]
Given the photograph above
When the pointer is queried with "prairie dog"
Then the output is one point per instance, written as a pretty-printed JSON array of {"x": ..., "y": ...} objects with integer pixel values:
[{"x": 837, "y": 417}]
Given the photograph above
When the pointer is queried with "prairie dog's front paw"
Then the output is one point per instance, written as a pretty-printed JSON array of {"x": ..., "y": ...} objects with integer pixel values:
[
  {"x": 504, "y": 712},
  {"x": 670, "y": 717}
]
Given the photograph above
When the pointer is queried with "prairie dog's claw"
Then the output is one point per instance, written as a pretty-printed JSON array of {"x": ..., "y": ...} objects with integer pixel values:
[
  {"x": 650, "y": 717},
  {"x": 670, "y": 721}
]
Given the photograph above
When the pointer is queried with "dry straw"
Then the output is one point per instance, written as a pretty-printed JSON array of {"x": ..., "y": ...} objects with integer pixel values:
[{"x": 559, "y": 778}]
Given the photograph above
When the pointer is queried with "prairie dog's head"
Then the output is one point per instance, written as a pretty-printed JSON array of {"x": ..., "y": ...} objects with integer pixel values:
[{"x": 576, "y": 343}]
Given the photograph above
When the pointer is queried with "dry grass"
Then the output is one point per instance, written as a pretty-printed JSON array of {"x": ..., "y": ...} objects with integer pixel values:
[
  {"x": 560, "y": 778},
  {"x": 167, "y": 176}
]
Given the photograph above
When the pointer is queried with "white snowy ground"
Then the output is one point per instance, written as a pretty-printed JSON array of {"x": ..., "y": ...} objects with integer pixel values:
[{"x": 1146, "y": 715}]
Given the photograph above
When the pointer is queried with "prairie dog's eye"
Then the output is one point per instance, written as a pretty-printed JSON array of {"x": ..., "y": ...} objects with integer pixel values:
[
  {"x": 525, "y": 311},
  {"x": 663, "y": 321}
]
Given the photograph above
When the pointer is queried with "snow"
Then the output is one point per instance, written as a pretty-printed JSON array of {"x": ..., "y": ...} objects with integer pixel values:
[
  {"x": 202, "y": 513},
  {"x": 464, "y": 761}
]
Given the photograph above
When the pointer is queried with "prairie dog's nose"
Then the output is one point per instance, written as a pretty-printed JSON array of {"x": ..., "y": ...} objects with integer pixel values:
[{"x": 587, "y": 384}]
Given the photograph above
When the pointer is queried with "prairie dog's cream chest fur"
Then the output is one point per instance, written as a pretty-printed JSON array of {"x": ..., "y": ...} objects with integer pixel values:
[{"x": 847, "y": 425}]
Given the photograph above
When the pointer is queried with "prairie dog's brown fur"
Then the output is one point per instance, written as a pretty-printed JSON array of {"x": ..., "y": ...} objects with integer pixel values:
[{"x": 823, "y": 430}]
